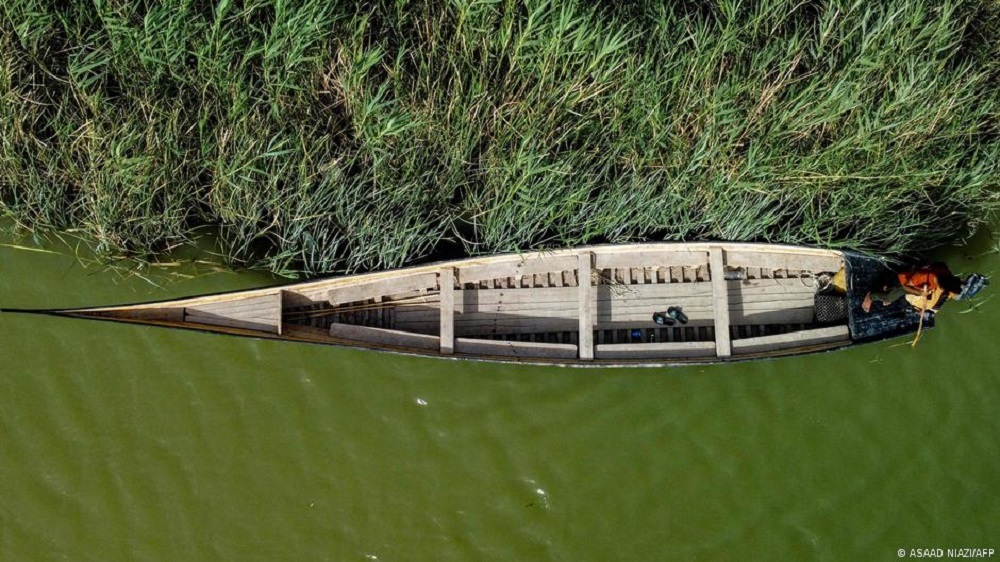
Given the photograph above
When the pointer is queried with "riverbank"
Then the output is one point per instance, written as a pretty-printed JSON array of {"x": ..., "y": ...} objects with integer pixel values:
[{"x": 313, "y": 138}]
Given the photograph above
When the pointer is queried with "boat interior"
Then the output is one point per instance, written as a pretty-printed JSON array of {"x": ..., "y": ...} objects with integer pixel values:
[{"x": 593, "y": 305}]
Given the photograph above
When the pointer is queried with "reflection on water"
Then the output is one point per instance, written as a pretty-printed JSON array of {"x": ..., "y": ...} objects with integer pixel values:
[{"x": 124, "y": 443}]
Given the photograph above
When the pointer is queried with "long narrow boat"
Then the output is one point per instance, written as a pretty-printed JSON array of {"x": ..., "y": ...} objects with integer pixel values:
[{"x": 642, "y": 304}]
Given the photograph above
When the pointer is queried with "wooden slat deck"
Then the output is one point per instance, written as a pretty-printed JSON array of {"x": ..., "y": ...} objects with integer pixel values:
[{"x": 502, "y": 311}]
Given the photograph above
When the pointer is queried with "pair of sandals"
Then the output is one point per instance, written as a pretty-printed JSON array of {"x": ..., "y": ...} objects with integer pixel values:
[{"x": 673, "y": 315}]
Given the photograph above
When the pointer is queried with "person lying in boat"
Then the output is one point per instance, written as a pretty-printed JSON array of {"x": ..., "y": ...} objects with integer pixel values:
[{"x": 926, "y": 288}]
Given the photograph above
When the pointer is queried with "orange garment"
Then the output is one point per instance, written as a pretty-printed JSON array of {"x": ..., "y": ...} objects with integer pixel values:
[
  {"x": 923, "y": 288},
  {"x": 916, "y": 282}
]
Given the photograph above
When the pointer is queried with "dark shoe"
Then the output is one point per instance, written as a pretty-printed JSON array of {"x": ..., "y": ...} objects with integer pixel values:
[
  {"x": 662, "y": 319},
  {"x": 677, "y": 314}
]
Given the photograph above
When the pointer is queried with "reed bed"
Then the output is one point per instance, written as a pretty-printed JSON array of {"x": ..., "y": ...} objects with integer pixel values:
[{"x": 313, "y": 136}]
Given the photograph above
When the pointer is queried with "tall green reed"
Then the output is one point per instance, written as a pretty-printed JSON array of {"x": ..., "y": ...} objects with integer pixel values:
[{"x": 317, "y": 137}]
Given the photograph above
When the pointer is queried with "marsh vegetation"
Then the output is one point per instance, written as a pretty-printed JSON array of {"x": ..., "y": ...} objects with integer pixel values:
[{"x": 313, "y": 136}]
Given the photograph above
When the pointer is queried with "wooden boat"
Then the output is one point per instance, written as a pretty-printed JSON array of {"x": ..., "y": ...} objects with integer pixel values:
[{"x": 586, "y": 306}]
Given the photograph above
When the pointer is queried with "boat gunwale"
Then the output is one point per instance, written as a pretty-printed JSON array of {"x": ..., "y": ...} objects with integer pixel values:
[{"x": 348, "y": 280}]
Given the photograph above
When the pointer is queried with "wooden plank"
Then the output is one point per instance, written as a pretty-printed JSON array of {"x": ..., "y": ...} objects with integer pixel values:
[
  {"x": 261, "y": 313},
  {"x": 281, "y": 309},
  {"x": 495, "y": 325},
  {"x": 655, "y": 350},
  {"x": 720, "y": 294},
  {"x": 516, "y": 267},
  {"x": 238, "y": 305},
  {"x": 247, "y": 306},
  {"x": 648, "y": 258},
  {"x": 801, "y": 338},
  {"x": 383, "y": 337},
  {"x": 801, "y": 315},
  {"x": 245, "y": 324},
  {"x": 506, "y": 348},
  {"x": 293, "y": 298},
  {"x": 783, "y": 260},
  {"x": 382, "y": 287},
  {"x": 783, "y": 286},
  {"x": 586, "y": 306},
  {"x": 162, "y": 314},
  {"x": 447, "y": 310},
  {"x": 470, "y": 300},
  {"x": 702, "y": 273}
]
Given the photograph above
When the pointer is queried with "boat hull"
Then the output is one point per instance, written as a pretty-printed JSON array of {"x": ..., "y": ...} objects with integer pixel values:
[{"x": 590, "y": 306}]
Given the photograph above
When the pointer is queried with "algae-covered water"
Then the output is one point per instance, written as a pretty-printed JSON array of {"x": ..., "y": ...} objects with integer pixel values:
[{"x": 131, "y": 443}]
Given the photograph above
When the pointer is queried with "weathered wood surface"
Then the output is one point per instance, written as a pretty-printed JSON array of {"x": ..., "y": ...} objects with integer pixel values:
[
  {"x": 801, "y": 338},
  {"x": 516, "y": 267},
  {"x": 783, "y": 260},
  {"x": 585, "y": 306},
  {"x": 496, "y": 311},
  {"x": 379, "y": 336},
  {"x": 175, "y": 314},
  {"x": 447, "y": 310},
  {"x": 649, "y": 258},
  {"x": 382, "y": 287},
  {"x": 655, "y": 350},
  {"x": 318, "y": 290},
  {"x": 720, "y": 300},
  {"x": 261, "y": 313},
  {"x": 470, "y": 346},
  {"x": 533, "y": 293}
]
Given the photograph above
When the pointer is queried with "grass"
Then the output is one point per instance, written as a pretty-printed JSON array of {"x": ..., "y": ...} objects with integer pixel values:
[{"x": 315, "y": 136}]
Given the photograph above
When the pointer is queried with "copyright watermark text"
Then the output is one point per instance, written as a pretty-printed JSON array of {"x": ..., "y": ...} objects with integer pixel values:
[{"x": 945, "y": 552}]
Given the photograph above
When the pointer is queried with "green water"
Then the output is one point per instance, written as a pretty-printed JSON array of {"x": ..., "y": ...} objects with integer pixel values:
[{"x": 132, "y": 443}]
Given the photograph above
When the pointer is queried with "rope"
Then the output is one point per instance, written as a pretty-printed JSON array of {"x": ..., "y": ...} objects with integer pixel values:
[{"x": 923, "y": 311}]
